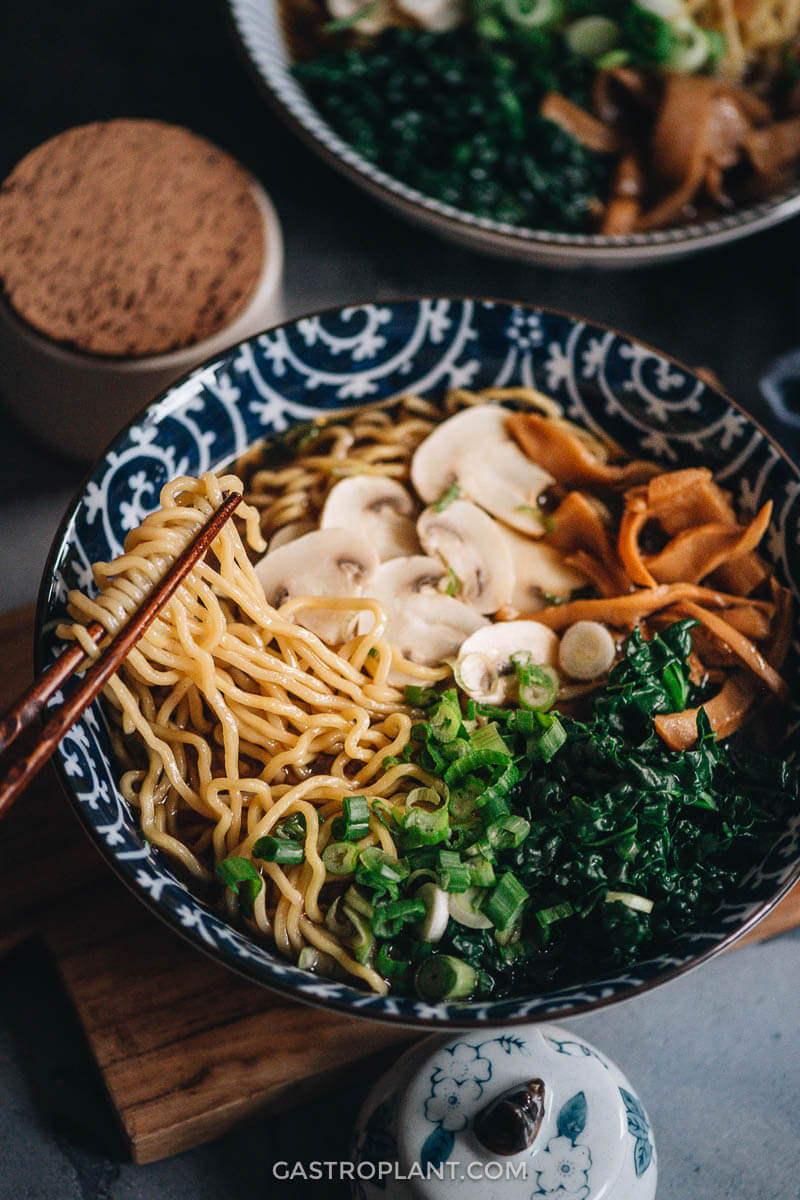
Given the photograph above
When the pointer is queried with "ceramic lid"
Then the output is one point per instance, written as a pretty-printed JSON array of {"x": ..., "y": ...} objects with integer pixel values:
[{"x": 577, "y": 1152}]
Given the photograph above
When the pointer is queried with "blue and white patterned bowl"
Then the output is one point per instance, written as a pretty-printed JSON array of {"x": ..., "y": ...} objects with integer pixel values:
[
  {"x": 359, "y": 355},
  {"x": 258, "y": 26}
]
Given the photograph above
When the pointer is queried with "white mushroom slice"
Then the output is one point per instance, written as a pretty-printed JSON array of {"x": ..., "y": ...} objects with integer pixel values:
[
  {"x": 587, "y": 650},
  {"x": 474, "y": 450},
  {"x": 334, "y": 563},
  {"x": 400, "y": 579},
  {"x": 438, "y": 16},
  {"x": 289, "y": 533},
  {"x": 379, "y": 508},
  {"x": 484, "y": 668},
  {"x": 469, "y": 543},
  {"x": 539, "y": 571},
  {"x": 425, "y": 625}
]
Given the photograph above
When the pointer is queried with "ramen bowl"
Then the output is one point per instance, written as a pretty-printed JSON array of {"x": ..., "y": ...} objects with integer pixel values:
[
  {"x": 259, "y": 30},
  {"x": 356, "y": 356}
]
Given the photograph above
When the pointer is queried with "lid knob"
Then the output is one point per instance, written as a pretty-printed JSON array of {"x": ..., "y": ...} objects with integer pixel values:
[{"x": 510, "y": 1123}]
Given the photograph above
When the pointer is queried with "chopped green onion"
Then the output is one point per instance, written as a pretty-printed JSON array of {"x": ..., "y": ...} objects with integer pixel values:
[
  {"x": 445, "y": 977},
  {"x": 488, "y": 737},
  {"x": 474, "y": 761},
  {"x": 548, "y": 916},
  {"x": 390, "y": 917},
  {"x": 320, "y": 963},
  {"x": 493, "y": 808},
  {"x": 454, "y": 875},
  {"x": 606, "y": 62},
  {"x": 465, "y": 908},
  {"x": 463, "y": 806},
  {"x": 241, "y": 877},
  {"x": 447, "y": 497},
  {"x": 508, "y": 833},
  {"x": 386, "y": 814},
  {"x": 539, "y": 689},
  {"x": 378, "y": 870},
  {"x": 420, "y": 697},
  {"x": 592, "y": 36},
  {"x": 549, "y": 742},
  {"x": 632, "y": 900},
  {"x": 445, "y": 717},
  {"x": 279, "y": 850},
  {"x": 425, "y": 827},
  {"x": 481, "y": 871},
  {"x": 497, "y": 791},
  {"x": 505, "y": 902},
  {"x": 437, "y": 912},
  {"x": 353, "y": 825},
  {"x": 532, "y": 14},
  {"x": 362, "y": 940},
  {"x": 387, "y": 965},
  {"x": 453, "y": 585},
  {"x": 292, "y": 827},
  {"x": 340, "y": 858},
  {"x": 356, "y": 900}
]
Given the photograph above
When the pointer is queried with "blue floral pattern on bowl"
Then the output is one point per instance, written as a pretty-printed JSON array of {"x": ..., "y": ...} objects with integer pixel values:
[{"x": 357, "y": 355}]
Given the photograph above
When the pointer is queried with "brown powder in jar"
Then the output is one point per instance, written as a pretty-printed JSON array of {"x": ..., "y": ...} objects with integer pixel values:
[{"x": 129, "y": 238}]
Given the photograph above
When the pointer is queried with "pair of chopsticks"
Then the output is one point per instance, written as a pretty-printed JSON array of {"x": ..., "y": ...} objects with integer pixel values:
[{"x": 31, "y": 703}]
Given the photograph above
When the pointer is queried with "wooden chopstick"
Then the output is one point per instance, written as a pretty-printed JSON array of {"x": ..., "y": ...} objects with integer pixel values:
[
  {"x": 98, "y": 675},
  {"x": 32, "y": 701}
]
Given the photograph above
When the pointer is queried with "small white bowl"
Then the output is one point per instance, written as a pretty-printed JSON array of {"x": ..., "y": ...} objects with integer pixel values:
[{"x": 75, "y": 403}]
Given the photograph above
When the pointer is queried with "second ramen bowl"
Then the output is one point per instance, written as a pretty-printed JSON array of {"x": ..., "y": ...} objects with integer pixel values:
[{"x": 356, "y": 356}]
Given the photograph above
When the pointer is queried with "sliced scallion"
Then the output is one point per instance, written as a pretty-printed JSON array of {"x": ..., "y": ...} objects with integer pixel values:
[
  {"x": 447, "y": 497},
  {"x": 488, "y": 737},
  {"x": 389, "y": 966},
  {"x": 454, "y": 875},
  {"x": 445, "y": 977},
  {"x": 420, "y": 697},
  {"x": 445, "y": 717},
  {"x": 389, "y": 917},
  {"x": 279, "y": 850},
  {"x": 241, "y": 877},
  {"x": 508, "y": 833},
  {"x": 632, "y": 900},
  {"x": 340, "y": 858},
  {"x": 505, "y": 902}
]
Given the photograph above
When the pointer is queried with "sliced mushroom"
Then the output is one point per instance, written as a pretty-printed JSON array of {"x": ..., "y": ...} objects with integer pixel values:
[
  {"x": 425, "y": 625},
  {"x": 289, "y": 533},
  {"x": 469, "y": 543},
  {"x": 484, "y": 668},
  {"x": 379, "y": 508},
  {"x": 332, "y": 563},
  {"x": 474, "y": 450},
  {"x": 540, "y": 572}
]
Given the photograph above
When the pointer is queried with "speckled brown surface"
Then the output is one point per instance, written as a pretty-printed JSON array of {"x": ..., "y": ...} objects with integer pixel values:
[{"x": 129, "y": 238}]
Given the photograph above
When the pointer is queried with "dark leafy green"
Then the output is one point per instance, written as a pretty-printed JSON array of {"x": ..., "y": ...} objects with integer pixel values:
[{"x": 456, "y": 116}]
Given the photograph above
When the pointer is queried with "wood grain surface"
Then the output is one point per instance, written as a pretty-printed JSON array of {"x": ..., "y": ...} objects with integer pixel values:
[{"x": 185, "y": 1047}]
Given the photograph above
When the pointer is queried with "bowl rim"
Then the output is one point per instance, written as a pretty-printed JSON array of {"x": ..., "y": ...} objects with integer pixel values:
[
  {"x": 515, "y": 241},
  {"x": 348, "y": 1006}
]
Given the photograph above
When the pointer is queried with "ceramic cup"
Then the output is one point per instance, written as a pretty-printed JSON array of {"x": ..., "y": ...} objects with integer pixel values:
[{"x": 76, "y": 403}]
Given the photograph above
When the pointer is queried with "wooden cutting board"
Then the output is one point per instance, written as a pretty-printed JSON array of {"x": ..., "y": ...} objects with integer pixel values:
[{"x": 185, "y": 1047}]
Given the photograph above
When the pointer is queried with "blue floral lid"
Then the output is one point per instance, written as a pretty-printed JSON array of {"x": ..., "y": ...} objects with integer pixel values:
[{"x": 584, "y": 1145}]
